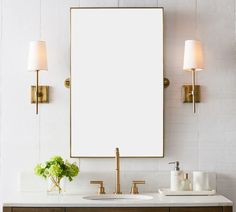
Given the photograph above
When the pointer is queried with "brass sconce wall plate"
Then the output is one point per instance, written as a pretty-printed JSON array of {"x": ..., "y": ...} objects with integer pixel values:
[
  {"x": 43, "y": 96},
  {"x": 187, "y": 96}
]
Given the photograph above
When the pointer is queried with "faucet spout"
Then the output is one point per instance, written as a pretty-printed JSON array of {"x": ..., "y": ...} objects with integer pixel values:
[{"x": 117, "y": 159}]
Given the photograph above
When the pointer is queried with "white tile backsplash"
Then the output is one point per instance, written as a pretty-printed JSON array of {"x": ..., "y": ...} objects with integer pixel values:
[
  {"x": 98, "y": 3},
  {"x": 81, "y": 184},
  {"x": 137, "y": 3}
]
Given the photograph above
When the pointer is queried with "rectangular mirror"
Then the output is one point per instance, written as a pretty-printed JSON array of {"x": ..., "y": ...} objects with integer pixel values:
[{"x": 116, "y": 82}]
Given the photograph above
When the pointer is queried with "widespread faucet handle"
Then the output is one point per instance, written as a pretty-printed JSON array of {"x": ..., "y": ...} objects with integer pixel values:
[
  {"x": 134, "y": 188},
  {"x": 101, "y": 189}
]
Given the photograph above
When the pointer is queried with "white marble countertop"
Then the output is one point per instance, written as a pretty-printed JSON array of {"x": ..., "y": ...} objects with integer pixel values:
[{"x": 45, "y": 200}]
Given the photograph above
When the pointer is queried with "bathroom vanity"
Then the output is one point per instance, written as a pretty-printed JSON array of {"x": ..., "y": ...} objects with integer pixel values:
[{"x": 77, "y": 203}]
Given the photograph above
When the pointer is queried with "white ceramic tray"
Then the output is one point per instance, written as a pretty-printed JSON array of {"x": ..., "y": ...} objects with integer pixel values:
[{"x": 168, "y": 192}]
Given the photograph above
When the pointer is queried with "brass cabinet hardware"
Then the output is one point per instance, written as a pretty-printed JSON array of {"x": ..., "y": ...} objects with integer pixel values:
[
  {"x": 134, "y": 188},
  {"x": 101, "y": 189}
]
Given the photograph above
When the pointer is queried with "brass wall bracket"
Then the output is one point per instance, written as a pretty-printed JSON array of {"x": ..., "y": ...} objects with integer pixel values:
[
  {"x": 187, "y": 96},
  {"x": 43, "y": 96},
  {"x": 166, "y": 82},
  {"x": 67, "y": 83}
]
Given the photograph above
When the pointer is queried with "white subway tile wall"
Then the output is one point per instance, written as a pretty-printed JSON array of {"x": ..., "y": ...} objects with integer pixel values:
[
  {"x": 28, "y": 182},
  {"x": 205, "y": 141}
]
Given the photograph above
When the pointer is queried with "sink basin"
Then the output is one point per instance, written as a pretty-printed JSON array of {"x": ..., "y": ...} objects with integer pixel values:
[{"x": 118, "y": 197}]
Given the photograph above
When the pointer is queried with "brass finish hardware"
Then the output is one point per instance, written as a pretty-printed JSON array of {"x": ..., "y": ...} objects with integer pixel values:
[
  {"x": 187, "y": 91},
  {"x": 101, "y": 189},
  {"x": 166, "y": 82},
  {"x": 193, "y": 90},
  {"x": 117, "y": 158},
  {"x": 67, "y": 83},
  {"x": 43, "y": 94},
  {"x": 37, "y": 92},
  {"x": 134, "y": 188}
]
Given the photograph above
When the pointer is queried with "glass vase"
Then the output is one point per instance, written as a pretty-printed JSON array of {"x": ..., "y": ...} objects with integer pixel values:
[{"x": 56, "y": 185}]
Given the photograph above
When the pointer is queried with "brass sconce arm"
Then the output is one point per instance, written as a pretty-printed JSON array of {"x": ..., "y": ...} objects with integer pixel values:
[
  {"x": 37, "y": 91},
  {"x": 193, "y": 90},
  {"x": 191, "y": 93}
]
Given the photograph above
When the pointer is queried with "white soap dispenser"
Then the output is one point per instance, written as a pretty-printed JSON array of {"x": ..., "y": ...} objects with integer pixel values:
[{"x": 176, "y": 177}]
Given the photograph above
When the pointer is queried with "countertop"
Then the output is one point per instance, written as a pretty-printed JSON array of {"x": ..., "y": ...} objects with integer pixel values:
[{"x": 45, "y": 200}]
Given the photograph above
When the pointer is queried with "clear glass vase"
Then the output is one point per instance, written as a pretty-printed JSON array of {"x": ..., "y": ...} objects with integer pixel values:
[{"x": 56, "y": 185}]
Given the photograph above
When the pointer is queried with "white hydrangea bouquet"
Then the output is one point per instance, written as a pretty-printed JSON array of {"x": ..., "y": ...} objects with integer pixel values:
[{"x": 55, "y": 169}]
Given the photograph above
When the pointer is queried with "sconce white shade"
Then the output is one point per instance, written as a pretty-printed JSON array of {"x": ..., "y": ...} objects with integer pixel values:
[
  {"x": 37, "y": 59},
  {"x": 193, "y": 56}
]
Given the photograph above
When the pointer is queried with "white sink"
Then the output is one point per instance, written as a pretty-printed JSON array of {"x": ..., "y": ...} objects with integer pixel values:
[{"x": 118, "y": 197}]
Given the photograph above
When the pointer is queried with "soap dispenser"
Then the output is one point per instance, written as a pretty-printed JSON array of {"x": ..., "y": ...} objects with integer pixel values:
[
  {"x": 176, "y": 177},
  {"x": 186, "y": 184}
]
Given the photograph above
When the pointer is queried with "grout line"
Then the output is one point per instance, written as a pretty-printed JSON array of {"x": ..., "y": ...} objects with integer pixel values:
[
  {"x": 196, "y": 19},
  {"x": 197, "y": 37},
  {"x": 37, "y": 132},
  {"x": 235, "y": 19},
  {"x": 40, "y": 19},
  {"x": 79, "y": 160},
  {"x": 1, "y": 53},
  {"x": 39, "y": 137},
  {"x": 38, "y": 124},
  {"x": 1, "y": 31}
]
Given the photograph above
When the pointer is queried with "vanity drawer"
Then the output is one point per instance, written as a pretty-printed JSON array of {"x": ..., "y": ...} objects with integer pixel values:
[
  {"x": 37, "y": 210},
  {"x": 197, "y": 209},
  {"x": 117, "y": 209}
]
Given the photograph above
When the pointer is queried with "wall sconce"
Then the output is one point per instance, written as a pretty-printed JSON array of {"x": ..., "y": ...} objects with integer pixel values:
[
  {"x": 37, "y": 61},
  {"x": 193, "y": 61}
]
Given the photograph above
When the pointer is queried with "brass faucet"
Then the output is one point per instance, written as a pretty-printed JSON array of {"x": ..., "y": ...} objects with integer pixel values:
[
  {"x": 117, "y": 159},
  {"x": 134, "y": 188}
]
